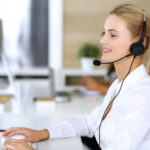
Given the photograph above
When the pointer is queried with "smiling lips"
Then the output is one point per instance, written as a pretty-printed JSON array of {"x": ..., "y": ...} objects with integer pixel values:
[{"x": 106, "y": 50}]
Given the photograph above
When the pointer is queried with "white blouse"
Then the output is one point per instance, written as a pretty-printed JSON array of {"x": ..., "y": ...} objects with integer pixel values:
[{"x": 127, "y": 126}]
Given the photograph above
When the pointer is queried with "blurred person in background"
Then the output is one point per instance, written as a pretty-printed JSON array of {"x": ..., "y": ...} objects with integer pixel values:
[{"x": 103, "y": 86}]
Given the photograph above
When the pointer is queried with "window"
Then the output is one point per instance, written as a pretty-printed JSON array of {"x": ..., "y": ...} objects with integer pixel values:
[{"x": 25, "y": 32}]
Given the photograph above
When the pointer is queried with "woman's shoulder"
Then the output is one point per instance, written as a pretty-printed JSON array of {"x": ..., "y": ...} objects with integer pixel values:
[
  {"x": 143, "y": 84},
  {"x": 137, "y": 97},
  {"x": 140, "y": 91}
]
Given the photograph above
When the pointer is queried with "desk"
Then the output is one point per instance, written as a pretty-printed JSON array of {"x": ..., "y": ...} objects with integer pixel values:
[
  {"x": 29, "y": 89},
  {"x": 62, "y": 144},
  {"x": 8, "y": 120}
]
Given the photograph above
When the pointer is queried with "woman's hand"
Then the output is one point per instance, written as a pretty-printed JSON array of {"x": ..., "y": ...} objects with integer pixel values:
[
  {"x": 90, "y": 83},
  {"x": 30, "y": 135},
  {"x": 17, "y": 145}
]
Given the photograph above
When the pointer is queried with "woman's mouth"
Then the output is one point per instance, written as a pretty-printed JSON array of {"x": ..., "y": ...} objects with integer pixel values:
[{"x": 106, "y": 50}]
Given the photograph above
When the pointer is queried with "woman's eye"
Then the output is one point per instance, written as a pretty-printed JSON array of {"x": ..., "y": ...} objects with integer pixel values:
[{"x": 113, "y": 35}]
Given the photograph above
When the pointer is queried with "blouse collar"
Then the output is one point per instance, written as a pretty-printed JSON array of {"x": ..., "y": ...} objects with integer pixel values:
[{"x": 135, "y": 76}]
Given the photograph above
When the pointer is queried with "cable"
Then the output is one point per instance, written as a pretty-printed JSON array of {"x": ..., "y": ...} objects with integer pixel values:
[{"x": 114, "y": 98}]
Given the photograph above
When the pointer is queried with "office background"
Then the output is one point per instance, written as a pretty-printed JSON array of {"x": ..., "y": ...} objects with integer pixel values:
[{"x": 81, "y": 22}]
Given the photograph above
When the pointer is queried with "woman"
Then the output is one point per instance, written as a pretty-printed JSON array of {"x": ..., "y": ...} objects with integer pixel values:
[{"x": 126, "y": 122}]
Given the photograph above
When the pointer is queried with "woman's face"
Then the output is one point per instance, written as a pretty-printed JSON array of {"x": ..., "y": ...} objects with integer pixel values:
[{"x": 116, "y": 39}]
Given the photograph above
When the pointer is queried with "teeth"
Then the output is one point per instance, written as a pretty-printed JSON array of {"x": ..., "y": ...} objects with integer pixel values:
[{"x": 107, "y": 49}]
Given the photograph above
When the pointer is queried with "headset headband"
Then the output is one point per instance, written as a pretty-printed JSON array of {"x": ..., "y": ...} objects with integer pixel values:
[{"x": 143, "y": 28}]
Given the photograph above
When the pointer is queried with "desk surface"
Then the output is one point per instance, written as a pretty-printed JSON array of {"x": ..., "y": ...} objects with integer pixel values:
[
  {"x": 29, "y": 89},
  {"x": 62, "y": 144},
  {"x": 40, "y": 122},
  {"x": 29, "y": 71}
]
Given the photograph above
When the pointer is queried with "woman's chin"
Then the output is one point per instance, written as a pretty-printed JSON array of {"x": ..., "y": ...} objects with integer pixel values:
[
  {"x": 109, "y": 58},
  {"x": 104, "y": 59}
]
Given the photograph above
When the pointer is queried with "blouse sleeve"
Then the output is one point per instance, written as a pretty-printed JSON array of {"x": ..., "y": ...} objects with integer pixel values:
[{"x": 81, "y": 126}]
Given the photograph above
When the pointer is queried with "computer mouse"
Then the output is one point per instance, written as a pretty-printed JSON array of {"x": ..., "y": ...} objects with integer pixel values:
[
  {"x": 2, "y": 142},
  {"x": 17, "y": 137}
]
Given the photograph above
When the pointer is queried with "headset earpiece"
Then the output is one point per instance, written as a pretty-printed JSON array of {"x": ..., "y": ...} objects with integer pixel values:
[{"x": 137, "y": 48}]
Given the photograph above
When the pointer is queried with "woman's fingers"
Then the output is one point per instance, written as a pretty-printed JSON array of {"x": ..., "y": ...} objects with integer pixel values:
[
  {"x": 30, "y": 134},
  {"x": 17, "y": 145},
  {"x": 14, "y": 131},
  {"x": 12, "y": 134},
  {"x": 9, "y": 145},
  {"x": 17, "y": 141},
  {"x": 8, "y": 131}
]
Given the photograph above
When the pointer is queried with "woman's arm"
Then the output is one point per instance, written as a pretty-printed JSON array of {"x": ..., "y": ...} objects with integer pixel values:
[
  {"x": 81, "y": 126},
  {"x": 91, "y": 84}
]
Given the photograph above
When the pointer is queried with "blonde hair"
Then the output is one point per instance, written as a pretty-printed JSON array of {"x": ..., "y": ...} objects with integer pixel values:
[{"x": 134, "y": 17}]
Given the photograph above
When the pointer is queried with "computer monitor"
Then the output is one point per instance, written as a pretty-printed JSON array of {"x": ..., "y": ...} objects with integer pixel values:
[
  {"x": 5, "y": 63},
  {"x": 1, "y": 36}
]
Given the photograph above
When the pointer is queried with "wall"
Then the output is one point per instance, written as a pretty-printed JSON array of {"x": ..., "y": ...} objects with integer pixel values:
[{"x": 83, "y": 22}]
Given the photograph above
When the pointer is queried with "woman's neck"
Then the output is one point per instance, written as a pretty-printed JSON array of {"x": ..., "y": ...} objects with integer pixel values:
[{"x": 122, "y": 67}]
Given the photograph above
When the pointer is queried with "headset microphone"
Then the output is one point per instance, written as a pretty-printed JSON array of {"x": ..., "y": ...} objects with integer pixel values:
[{"x": 98, "y": 63}]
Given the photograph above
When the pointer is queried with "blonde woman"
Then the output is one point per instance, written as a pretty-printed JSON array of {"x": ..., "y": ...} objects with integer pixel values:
[{"x": 125, "y": 124}]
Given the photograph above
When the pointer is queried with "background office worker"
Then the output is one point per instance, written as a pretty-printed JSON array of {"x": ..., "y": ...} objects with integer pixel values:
[
  {"x": 102, "y": 86},
  {"x": 126, "y": 123}
]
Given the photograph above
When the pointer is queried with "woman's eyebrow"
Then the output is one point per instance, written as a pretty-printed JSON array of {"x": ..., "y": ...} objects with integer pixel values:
[{"x": 110, "y": 30}]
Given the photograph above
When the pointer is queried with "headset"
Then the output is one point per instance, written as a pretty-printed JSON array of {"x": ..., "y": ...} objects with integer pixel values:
[{"x": 136, "y": 49}]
